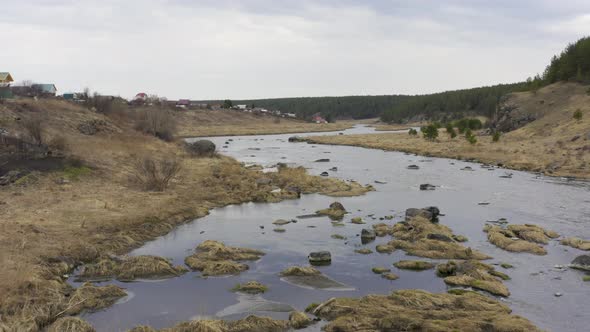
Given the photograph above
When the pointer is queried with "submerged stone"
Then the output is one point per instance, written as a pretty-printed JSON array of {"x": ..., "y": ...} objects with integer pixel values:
[
  {"x": 251, "y": 304},
  {"x": 309, "y": 277},
  {"x": 581, "y": 262}
]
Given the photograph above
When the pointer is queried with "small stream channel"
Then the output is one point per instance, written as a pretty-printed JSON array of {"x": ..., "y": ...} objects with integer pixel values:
[{"x": 558, "y": 204}]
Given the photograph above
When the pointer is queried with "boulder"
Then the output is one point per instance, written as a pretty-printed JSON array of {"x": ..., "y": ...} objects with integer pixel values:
[
  {"x": 357, "y": 220},
  {"x": 294, "y": 139},
  {"x": 581, "y": 262},
  {"x": 413, "y": 167},
  {"x": 323, "y": 160},
  {"x": 368, "y": 234},
  {"x": 319, "y": 257},
  {"x": 427, "y": 186},
  {"x": 337, "y": 206},
  {"x": 201, "y": 148},
  {"x": 324, "y": 174}
]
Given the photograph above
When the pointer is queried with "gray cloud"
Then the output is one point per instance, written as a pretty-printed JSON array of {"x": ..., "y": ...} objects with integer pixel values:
[{"x": 265, "y": 48}]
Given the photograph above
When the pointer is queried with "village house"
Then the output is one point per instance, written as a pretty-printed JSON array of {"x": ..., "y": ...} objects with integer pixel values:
[
  {"x": 5, "y": 80},
  {"x": 317, "y": 118},
  {"x": 44, "y": 90},
  {"x": 183, "y": 103}
]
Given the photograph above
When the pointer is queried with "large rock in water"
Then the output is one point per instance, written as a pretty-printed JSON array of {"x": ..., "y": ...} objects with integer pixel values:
[
  {"x": 581, "y": 262},
  {"x": 427, "y": 186},
  {"x": 368, "y": 234},
  {"x": 201, "y": 147},
  {"x": 320, "y": 257},
  {"x": 431, "y": 213}
]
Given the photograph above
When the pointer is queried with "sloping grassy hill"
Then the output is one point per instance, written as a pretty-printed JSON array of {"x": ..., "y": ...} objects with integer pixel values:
[{"x": 555, "y": 143}]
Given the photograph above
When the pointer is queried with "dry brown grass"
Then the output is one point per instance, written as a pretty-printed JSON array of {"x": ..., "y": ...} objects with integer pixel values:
[
  {"x": 46, "y": 227},
  {"x": 416, "y": 310},
  {"x": 473, "y": 274},
  {"x": 508, "y": 241},
  {"x": 131, "y": 268},
  {"x": 300, "y": 271},
  {"x": 230, "y": 123},
  {"x": 532, "y": 233},
  {"x": 576, "y": 242},
  {"x": 544, "y": 145},
  {"x": 412, "y": 237},
  {"x": 250, "y": 323},
  {"x": 215, "y": 258},
  {"x": 70, "y": 324},
  {"x": 90, "y": 298}
]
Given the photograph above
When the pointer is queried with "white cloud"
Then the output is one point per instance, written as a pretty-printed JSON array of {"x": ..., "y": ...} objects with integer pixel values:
[{"x": 219, "y": 49}]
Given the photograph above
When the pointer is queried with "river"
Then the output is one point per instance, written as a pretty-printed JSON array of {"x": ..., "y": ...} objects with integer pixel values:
[{"x": 557, "y": 204}]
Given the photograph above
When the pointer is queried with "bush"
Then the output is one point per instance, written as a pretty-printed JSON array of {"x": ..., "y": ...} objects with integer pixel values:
[
  {"x": 451, "y": 130},
  {"x": 34, "y": 128},
  {"x": 157, "y": 122},
  {"x": 578, "y": 115},
  {"x": 155, "y": 175},
  {"x": 496, "y": 136},
  {"x": 430, "y": 132},
  {"x": 412, "y": 132},
  {"x": 58, "y": 143},
  {"x": 471, "y": 138},
  {"x": 201, "y": 148}
]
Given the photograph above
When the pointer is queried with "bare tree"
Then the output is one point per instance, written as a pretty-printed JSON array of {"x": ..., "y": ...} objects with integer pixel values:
[
  {"x": 157, "y": 122},
  {"x": 155, "y": 175},
  {"x": 34, "y": 128}
]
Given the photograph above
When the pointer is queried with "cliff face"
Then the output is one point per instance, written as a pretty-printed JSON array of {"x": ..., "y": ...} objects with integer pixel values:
[{"x": 519, "y": 109}]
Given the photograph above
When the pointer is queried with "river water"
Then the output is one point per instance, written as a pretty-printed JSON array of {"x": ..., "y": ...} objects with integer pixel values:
[{"x": 558, "y": 204}]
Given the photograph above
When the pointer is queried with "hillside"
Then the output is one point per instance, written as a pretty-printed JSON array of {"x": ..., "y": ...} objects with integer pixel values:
[
  {"x": 230, "y": 123},
  {"x": 81, "y": 194},
  {"x": 552, "y": 142}
]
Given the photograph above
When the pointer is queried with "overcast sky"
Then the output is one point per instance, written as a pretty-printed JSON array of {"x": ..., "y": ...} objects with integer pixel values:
[{"x": 214, "y": 49}]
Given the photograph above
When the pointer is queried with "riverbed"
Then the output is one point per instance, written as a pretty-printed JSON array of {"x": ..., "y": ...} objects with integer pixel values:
[{"x": 562, "y": 205}]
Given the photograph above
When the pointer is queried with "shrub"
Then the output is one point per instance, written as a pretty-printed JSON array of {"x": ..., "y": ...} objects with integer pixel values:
[
  {"x": 34, "y": 128},
  {"x": 413, "y": 132},
  {"x": 157, "y": 122},
  {"x": 201, "y": 148},
  {"x": 496, "y": 136},
  {"x": 430, "y": 132},
  {"x": 578, "y": 115},
  {"x": 451, "y": 130},
  {"x": 58, "y": 143},
  {"x": 155, "y": 175},
  {"x": 471, "y": 138}
]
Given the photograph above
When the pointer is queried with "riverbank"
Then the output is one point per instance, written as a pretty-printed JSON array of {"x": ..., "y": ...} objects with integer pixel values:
[
  {"x": 204, "y": 123},
  {"x": 554, "y": 144},
  {"x": 84, "y": 202},
  {"x": 511, "y": 152}
]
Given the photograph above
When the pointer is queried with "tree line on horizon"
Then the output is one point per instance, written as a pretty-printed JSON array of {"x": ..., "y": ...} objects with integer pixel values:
[{"x": 573, "y": 64}]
